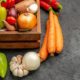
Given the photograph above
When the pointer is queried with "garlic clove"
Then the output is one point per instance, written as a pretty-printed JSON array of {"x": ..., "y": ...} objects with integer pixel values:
[
  {"x": 13, "y": 66},
  {"x": 14, "y": 59},
  {"x": 21, "y": 66},
  {"x": 25, "y": 72},
  {"x": 19, "y": 58},
  {"x": 33, "y": 8},
  {"x": 12, "y": 62},
  {"x": 20, "y": 72},
  {"x": 15, "y": 72}
]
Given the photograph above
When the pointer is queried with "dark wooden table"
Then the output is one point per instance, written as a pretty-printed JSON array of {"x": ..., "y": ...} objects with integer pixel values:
[{"x": 65, "y": 66}]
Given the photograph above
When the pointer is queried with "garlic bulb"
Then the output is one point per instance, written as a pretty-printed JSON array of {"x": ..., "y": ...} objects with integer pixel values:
[
  {"x": 33, "y": 8},
  {"x": 15, "y": 72},
  {"x": 17, "y": 68},
  {"x": 31, "y": 60},
  {"x": 20, "y": 72},
  {"x": 20, "y": 66}
]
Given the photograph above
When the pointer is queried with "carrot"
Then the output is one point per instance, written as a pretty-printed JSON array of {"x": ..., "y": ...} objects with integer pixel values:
[
  {"x": 59, "y": 35},
  {"x": 51, "y": 35},
  {"x": 43, "y": 53}
]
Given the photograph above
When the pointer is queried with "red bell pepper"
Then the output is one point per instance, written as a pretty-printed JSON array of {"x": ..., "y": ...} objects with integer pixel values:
[{"x": 8, "y": 4}]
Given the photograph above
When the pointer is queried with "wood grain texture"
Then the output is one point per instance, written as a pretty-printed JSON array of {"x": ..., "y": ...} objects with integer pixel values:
[
  {"x": 19, "y": 36},
  {"x": 19, "y": 45}
]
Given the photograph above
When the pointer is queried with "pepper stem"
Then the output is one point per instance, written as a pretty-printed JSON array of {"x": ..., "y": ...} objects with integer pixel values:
[{"x": 59, "y": 6}]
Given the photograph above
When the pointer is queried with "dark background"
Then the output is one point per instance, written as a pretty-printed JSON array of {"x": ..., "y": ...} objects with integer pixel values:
[{"x": 65, "y": 66}]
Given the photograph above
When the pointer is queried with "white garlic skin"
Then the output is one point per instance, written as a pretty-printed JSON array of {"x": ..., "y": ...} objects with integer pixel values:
[
  {"x": 33, "y": 8},
  {"x": 17, "y": 68},
  {"x": 15, "y": 72},
  {"x": 13, "y": 66},
  {"x": 20, "y": 73},
  {"x": 31, "y": 61},
  {"x": 25, "y": 72}
]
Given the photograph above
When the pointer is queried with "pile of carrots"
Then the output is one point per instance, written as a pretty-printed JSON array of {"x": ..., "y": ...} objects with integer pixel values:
[{"x": 53, "y": 40}]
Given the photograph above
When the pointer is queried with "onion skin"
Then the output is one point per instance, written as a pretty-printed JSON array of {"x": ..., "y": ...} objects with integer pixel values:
[{"x": 27, "y": 21}]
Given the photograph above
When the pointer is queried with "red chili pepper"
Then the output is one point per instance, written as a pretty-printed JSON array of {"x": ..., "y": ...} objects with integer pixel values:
[
  {"x": 59, "y": 5},
  {"x": 49, "y": 1},
  {"x": 54, "y": 4},
  {"x": 8, "y": 3},
  {"x": 11, "y": 20},
  {"x": 45, "y": 6}
]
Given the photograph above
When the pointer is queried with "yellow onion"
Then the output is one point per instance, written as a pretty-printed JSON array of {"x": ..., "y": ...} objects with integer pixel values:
[{"x": 27, "y": 21}]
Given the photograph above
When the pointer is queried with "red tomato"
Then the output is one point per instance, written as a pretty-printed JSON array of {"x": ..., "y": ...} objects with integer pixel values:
[{"x": 11, "y": 20}]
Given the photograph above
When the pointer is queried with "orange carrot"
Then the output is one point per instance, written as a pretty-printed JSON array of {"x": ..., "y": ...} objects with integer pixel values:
[
  {"x": 59, "y": 35},
  {"x": 51, "y": 35},
  {"x": 43, "y": 53}
]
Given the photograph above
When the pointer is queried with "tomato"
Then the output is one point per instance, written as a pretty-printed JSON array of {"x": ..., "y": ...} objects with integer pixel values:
[{"x": 11, "y": 20}]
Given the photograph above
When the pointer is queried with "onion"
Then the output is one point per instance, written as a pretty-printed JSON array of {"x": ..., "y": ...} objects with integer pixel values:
[
  {"x": 27, "y": 21},
  {"x": 31, "y": 60}
]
